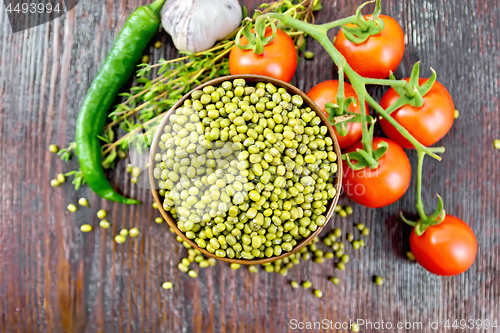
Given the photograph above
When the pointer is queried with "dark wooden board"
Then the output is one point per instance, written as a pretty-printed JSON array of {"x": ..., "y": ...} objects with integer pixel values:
[{"x": 53, "y": 278}]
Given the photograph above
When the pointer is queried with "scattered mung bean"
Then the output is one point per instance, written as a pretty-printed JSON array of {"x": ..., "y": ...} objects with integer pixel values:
[
  {"x": 334, "y": 280},
  {"x": 61, "y": 178},
  {"x": 104, "y": 224},
  {"x": 134, "y": 232},
  {"x": 235, "y": 266},
  {"x": 308, "y": 55},
  {"x": 410, "y": 255},
  {"x": 101, "y": 214},
  {"x": 167, "y": 285},
  {"x": 120, "y": 239},
  {"x": 83, "y": 202},
  {"x": 53, "y": 149},
  {"x": 86, "y": 228},
  {"x": 379, "y": 281}
]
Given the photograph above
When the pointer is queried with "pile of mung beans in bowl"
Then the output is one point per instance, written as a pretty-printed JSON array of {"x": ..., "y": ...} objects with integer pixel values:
[{"x": 245, "y": 169}]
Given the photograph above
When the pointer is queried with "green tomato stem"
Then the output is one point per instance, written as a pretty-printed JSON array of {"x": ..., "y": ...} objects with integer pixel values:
[
  {"x": 384, "y": 82},
  {"x": 425, "y": 220},
  {"x": 418, "y": 101},
  {"x": 366, "y": 139},
  {"x": 372, "y": 162},
  {"x": 399, "y": 103},
  {"x": 328, "y": 26},
  {"x": 420, "y": 204},
  {"x": 340, "y": 93}
]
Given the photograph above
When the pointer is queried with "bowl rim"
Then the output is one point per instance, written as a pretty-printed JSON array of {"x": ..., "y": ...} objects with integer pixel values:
[{"x": 253, "y": 79}]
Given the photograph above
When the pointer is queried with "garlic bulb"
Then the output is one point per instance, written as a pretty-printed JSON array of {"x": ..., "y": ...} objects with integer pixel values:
[{"x": 195, "y": 25}]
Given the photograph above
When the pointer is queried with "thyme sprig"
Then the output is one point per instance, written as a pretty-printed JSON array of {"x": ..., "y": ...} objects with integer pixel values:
[{"x": 159, "y": 86}]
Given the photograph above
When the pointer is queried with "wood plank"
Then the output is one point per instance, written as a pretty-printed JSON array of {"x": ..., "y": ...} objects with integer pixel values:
[{"x": 53, "y": 278}]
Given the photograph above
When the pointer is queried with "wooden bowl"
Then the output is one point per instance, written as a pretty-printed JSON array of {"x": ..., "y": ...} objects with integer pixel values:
[{"x": 250, "y": 79}]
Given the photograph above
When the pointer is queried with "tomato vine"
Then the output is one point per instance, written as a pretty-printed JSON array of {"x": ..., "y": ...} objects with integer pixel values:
[{"x": 358, "y": 29}]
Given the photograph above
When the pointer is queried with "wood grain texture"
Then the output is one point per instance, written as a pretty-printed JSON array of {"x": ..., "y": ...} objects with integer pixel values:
[{"x": 53, "y": 278}]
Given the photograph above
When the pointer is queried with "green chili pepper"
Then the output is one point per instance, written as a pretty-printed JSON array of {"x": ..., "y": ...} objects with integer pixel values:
[{"x": 115, "y": 72}]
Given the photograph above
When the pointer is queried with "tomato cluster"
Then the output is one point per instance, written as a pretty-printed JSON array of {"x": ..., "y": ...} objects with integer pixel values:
[{"x": 447, "y": 248}]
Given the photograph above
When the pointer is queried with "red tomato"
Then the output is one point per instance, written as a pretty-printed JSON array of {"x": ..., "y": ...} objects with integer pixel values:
[
  {"x": 379, "y": 187},
  {"x": 279, "y": 59},
  {"x": 379, "y": 54},
  {"x": 326, "y": 92},
  {"x": 427, "y": 124},
  {"x": 448, "y": 248}
]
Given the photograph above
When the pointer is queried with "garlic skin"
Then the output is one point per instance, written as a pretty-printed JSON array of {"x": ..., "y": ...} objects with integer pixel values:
[{"x": 195, "y": 25}]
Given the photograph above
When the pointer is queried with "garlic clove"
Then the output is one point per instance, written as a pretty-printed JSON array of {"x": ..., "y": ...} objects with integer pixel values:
[{"x": 195, "y": 25}]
